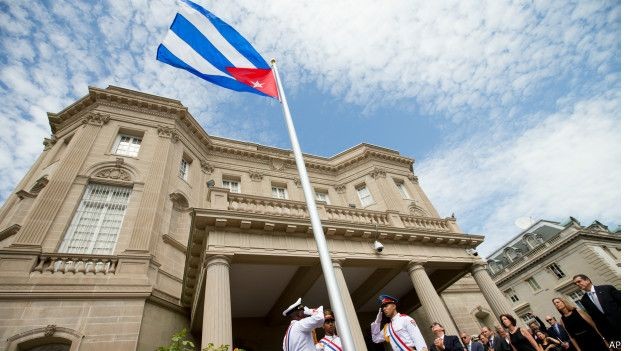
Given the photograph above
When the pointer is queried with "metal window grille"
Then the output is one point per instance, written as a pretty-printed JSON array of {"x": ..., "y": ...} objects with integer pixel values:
[
  {"x": 184, "y": 167},
  {"x": 556, "y": 270},
  {"x": 365, "y": 196},
  {"x": 97, "y": 221},
  {"x": 512, "y": 295},
  {"x": 321, "y": 197},
  {"x": 232, "y": 185},
  {"x": 576, "y": 296},
  {"x": 128, "y": 145},
  {"x": 279, "y": 193},
  {"x": 402, "y": 190}
]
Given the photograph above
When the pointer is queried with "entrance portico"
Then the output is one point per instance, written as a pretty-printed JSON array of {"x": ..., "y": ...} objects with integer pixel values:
[{"x": 249, "y": 257}]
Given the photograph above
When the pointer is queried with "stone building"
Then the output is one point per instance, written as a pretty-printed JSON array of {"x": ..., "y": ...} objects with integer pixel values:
[
  {"x": 134, "y": 223},
  {"x": 538, "y": 264}
]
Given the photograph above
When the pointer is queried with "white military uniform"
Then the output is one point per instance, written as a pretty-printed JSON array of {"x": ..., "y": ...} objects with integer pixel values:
[
  {"x": 330, "y": 343},
  {"x": 299, "y": 333},
  {"x": 402, "y": 333}
]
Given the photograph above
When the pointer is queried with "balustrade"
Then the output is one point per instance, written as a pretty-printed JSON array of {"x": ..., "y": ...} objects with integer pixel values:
[{"x": 75, "y": 264}]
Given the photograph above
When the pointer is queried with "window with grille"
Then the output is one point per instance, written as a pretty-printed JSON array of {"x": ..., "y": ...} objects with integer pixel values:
[
  {"x": 365, "y": 196},
  {"x": 184, "y": 169},
  {"x": 321, "y": 197},
  {"x": 576, "y": 296},
  {"x": 556, "y": 270},
  {"x": 97, "y": 221},
  {"x": 127, "y": 145},
  {"x": 233, "y": 185},
  {"x": 402, "y": 189},
  {"x": 279, "y": 192},
  {"x": 511, "y": 294},
  {"x": 533, "y": 284},
  {"x": 527, "y": 317}
]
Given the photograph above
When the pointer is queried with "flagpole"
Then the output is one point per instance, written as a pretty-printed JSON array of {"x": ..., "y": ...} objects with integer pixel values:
[{"x": 321, "y": 244}]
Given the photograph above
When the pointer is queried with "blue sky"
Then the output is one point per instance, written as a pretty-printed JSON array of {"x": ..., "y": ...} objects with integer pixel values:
[{"x": 510, "y": 108}]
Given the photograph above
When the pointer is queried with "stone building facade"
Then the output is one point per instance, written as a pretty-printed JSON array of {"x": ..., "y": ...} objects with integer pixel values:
[
  {"x": 134, "y": 223},
  {"x": 538, "y": 264}
]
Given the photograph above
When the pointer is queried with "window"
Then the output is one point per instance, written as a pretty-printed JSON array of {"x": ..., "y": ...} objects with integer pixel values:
[
  {"x": 511, "y": 294},
  {"x": 527, "y": 317},
  {"x": 127, "y": 145},
  {"x": 402, "y": 189},
  {"x": 97, "y": 221},
  {"x": 533, "y": 283},
  {"x": 556, "y": 270},
  {"x": 322, "y": 197},
  {"x": 184, "y": 168},
  {"x": 279, "y": 192},
  {"x": 365, "y": 196},
  {"x": 233, "y": 185},
  {"x": 576, "y": 297}
]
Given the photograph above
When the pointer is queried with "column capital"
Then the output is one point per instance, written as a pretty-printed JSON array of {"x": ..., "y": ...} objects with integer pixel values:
[
  {"x": 478, "y": 266},
  {"x": 96, "y": 119},
  {"x": 218, "y": 259},
  {"x": 378, "y": 173},
  {"x": 415, "y": 265},
  {"x": 168, "y": 132},
  {"x": 337, "y": 262}
]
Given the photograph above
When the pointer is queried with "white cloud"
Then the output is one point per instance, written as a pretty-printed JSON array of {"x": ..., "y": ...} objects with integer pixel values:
[{"x": 568, "y": 164}]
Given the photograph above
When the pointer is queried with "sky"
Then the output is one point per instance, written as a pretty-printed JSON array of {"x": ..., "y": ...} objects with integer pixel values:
[{"x": 510, "y": 108}]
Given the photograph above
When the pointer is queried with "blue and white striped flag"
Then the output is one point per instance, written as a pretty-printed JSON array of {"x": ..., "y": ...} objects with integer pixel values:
[{"x": 201, "y": 43}]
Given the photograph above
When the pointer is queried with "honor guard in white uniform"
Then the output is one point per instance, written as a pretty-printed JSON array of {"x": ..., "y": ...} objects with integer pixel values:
[
  {"x": 331, "y": 340},
  {"x": 401, "y": 332},
  {"x": 299, "y": 335}
]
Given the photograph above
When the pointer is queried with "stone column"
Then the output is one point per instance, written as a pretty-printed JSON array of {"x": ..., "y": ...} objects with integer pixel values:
[
  {"x": 491, "y": 292},
  {"x": 429, "y": 299},
  {"x": 217, "y": 319},
  {"x": 152, "y": 201},
  {"x": 354, "y": 323},
  {"x": 51, "y": 198}
]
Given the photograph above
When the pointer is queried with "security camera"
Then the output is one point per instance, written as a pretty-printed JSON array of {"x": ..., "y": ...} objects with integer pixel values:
[
  {"x": 472, "y": 252},
  {"x": 378, "y": 246}
]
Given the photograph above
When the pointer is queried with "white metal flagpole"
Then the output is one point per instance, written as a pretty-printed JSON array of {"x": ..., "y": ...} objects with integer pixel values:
[{"x": 321, "y": 244}]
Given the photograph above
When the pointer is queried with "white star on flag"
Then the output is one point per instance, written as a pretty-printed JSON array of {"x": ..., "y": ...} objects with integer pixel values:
[{"x": 257, "y": 84}]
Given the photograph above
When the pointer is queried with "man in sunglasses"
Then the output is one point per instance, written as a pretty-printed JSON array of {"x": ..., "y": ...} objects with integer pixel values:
[
  {"x": 331, "y": 340},
  {"x": 557, "y": 330}
]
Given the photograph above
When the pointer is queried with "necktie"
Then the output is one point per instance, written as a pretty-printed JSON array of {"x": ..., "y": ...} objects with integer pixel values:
[
  {"x": 557, "y": 330},
  {"x": 594, "y": 298}
]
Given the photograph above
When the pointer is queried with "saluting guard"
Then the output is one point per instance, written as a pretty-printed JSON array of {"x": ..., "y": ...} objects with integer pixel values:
[
  {"x": 299, "y": 335},
  {"x": 331, "y": 340},
  {"x": 401, "y": 332}
]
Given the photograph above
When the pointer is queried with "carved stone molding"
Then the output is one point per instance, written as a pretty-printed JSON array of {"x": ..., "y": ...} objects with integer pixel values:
[
  {"x": 297, "y": 182},
  {"x": 255, "y": 176},
  {"x": 412, "y": 178},
  {"x": 341, "y": 188},
  {"x": 49, "y": 142},
  {"x": 378, "y": 173},
  {"x": 179, "y": 201},
  {"x": 114, "y": 173},
  {"x": 96, "y": 119},
  {"x": 39, "y": 185},
  {"x": 168, "y": 132},
  {"x": 206, "y": 167},
  {"x": 277, "y": 164},
  {"x": 50, "y": 329},
  {"x": 416, "y": 210},
  {"x": 10, "y": 231}
]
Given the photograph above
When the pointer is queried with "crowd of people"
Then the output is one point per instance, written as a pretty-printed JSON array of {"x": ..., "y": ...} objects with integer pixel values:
[{"x": 594, "y": 328}]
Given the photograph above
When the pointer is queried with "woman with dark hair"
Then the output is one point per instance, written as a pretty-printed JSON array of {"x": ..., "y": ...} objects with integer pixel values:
[
  {"x": 548, "y": 343},
  {"x": 521, "y": 339},
  {"x": 580, "y": 327}
]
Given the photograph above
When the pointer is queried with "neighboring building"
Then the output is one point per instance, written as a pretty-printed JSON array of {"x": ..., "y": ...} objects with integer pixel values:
[
  {"x": 538, "y": 264},
  {"x": 134, "y": 223}
]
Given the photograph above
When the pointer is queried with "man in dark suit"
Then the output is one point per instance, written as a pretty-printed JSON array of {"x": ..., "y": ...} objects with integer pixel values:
[
  {"x": 470, "y": 345},
  {"x": 603, "y": 304},
  {"x": 556, "y": 330},
  {"x": 444, "y": 342},
  {"x": 496, "y": 342}
]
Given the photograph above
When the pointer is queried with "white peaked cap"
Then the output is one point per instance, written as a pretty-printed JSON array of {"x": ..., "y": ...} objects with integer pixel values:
[{"x": 292, "y": 308}]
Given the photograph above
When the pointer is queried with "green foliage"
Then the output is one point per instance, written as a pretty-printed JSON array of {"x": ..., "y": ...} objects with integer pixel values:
[{"x": 181, "y": 342}]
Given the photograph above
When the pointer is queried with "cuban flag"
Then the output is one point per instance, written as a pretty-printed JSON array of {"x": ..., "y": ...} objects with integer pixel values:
[{"x": 201, "y": 43}]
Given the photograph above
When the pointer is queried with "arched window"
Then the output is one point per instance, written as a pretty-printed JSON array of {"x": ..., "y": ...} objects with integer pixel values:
[{"x": 50, "y": 338}]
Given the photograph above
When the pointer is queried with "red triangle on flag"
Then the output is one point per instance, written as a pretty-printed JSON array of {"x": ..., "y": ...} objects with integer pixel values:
[{"x": 257, "y": 78}]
